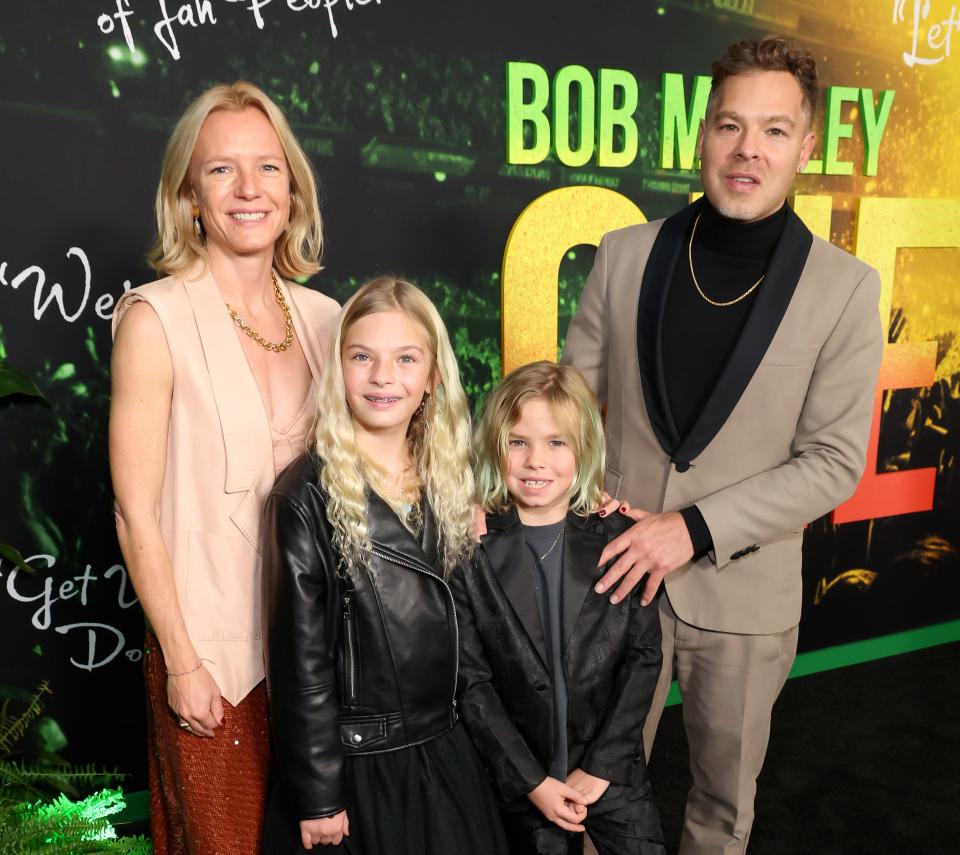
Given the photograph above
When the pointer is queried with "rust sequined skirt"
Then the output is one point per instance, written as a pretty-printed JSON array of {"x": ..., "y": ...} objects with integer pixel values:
[{"x": 207, "y": 796}]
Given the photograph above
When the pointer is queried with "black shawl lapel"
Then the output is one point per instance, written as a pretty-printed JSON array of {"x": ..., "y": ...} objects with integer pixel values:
[
  {"x": 769, "y": 307},
  {"x": 511, "y": 559},
  {"x": 582, "y": 545},
  {"x": 654, "y": 287}
]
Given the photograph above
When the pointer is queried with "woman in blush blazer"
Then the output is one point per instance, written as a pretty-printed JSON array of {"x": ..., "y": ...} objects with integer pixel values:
[{"x": 214, "y": 374}]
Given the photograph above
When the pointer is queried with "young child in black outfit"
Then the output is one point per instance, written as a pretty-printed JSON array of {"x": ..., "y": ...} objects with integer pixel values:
[{"x": 555, "y": 681}]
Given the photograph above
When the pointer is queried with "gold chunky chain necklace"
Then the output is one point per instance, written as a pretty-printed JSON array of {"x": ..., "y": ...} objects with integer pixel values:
[
  {"x": 288, "y": 321},
  {"x": 696, "y": 284}
]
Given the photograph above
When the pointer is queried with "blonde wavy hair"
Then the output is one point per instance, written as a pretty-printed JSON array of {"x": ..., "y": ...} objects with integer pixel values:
[
  {"x": 438, "y": 437},
  {"x": 177, "y": 246},
  {"x": 575, "y": 411}
]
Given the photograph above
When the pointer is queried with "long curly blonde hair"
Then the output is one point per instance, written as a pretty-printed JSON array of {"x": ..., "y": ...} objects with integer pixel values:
[{"x": 438, "y": 437}]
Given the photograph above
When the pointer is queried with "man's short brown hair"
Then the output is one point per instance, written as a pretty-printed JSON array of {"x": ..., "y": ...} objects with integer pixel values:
[{"x": 769, "y": 53}]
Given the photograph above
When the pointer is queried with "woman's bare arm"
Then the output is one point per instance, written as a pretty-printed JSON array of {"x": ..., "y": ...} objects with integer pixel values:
[{"x": 142, "y": 389}]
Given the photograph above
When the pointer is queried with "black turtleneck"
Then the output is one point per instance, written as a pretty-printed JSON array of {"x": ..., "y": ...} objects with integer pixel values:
[{"x": 698, "y": 338}]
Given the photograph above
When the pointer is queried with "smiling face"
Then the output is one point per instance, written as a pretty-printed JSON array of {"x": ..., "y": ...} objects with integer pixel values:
[
  {"x": 387, "y": 368},
  {"x": 241, "y": 182},
  {"x": 753, "y": 141},
  {"x": 540, "y": 465}
]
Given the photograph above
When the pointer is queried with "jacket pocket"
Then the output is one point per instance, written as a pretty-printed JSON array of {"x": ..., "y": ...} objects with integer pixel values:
[{"x": 362, "y": 732}]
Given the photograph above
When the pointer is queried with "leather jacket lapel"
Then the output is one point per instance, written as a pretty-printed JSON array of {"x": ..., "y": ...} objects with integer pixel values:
[
  {"x": 511, "y": 559},
  {"x": 769, "y": 307},
  {"x": 430, "y": 536},
  {"x": 391, "y": 536}
]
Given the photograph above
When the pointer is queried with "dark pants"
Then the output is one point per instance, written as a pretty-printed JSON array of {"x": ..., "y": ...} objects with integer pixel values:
[{"x": 623, "y": 821}]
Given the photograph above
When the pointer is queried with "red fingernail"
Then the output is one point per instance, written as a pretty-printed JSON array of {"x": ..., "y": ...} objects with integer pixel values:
[{"x": 623, "y": 509}]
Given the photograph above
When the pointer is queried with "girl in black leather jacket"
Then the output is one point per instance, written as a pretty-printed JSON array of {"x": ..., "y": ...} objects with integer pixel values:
[
  {"x": 555, "y": 681},
  {"x": 360, "y": 628}
]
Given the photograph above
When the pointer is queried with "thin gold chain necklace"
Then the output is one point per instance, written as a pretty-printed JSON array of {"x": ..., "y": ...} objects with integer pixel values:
[
  {"x": 250, "y": 332},
  {"x": 696, "y": 284}
]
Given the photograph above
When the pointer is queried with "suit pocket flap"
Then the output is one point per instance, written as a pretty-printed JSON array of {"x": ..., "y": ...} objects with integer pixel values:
[{"x": 362, "y": 732}]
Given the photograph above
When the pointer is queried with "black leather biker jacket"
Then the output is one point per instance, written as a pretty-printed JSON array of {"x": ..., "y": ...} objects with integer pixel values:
[{"x": 353, "y": 666}]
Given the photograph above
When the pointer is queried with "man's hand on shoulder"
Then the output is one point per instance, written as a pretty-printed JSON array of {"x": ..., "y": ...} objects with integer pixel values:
[{"x": 655, "y": 545}]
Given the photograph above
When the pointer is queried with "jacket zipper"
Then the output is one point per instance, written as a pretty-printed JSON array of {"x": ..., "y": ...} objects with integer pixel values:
[
  {"x": 349, "y": 652},
  {"x": 453, "y": 611}
]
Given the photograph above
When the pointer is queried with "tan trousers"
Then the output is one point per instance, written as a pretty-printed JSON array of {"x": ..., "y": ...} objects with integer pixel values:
[{"x": 728, "y": 683}]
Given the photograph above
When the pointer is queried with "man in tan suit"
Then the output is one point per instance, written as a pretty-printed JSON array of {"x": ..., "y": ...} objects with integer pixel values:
[{"x": 737, "y": 355}]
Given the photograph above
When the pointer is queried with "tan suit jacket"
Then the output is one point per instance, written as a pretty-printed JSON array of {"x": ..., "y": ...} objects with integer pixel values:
[
  {"x": 220, "y": 466},
  {"x": 782, "y": 439}
]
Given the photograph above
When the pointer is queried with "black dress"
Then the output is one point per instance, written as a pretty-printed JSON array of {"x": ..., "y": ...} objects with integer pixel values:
[{"x": 429, "y": 799}]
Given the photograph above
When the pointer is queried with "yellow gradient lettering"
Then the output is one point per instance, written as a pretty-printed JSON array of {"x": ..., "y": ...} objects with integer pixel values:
[{"x": 542, "y": 234}]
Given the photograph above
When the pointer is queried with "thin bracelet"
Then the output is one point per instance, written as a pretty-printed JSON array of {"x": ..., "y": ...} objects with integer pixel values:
[{"x": 184, "y": 673}]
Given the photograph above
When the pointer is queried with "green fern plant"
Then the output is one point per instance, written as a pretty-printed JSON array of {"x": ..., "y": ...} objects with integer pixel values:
[
  {"x": 14, "y": 727},
  {"x": 65, "y": 827},
  {"x": 43, "y": 808}
]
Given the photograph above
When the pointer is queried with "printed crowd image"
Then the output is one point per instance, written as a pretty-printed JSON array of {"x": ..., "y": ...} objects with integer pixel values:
[{"x": 507, "y": 429}]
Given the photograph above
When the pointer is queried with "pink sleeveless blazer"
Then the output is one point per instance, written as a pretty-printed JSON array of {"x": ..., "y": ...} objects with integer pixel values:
[{"x": 221, "y": 465}]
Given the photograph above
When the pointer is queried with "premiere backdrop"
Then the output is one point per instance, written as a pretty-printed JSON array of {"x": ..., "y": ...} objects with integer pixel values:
[{"x": 479, "y": 149}]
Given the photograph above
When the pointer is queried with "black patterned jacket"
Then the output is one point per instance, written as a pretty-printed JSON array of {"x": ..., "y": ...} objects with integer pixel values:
[{"x": 611, "y": 656}]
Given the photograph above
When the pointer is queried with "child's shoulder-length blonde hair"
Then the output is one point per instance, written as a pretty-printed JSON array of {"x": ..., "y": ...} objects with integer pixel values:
[
  {"x": 177, "y": 246},
  {"x": 575, "y": 411},
  {"x": 438, "y": 436}
]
